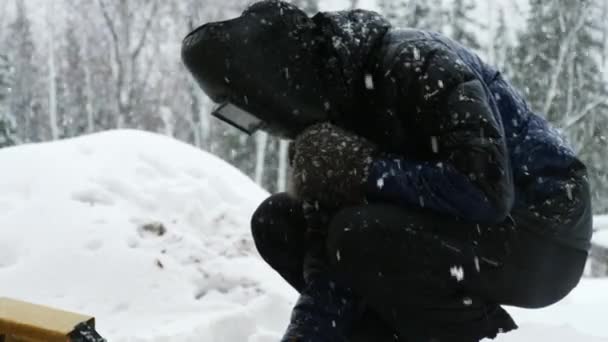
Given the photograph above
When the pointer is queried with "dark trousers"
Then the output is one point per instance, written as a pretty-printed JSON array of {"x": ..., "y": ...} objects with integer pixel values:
[{"x": 422, "y": 275}]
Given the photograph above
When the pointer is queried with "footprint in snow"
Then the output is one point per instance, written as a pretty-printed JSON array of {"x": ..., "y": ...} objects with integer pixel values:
[
  {"x": 121, "y": 307},
  {"x": 92, "y": 197},
  {"x": 152, "y": 229},
  {"x": 94, "y": 245}
]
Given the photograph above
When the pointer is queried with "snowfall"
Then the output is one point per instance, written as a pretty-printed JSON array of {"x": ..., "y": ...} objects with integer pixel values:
[{"x": 151, "y": 236}]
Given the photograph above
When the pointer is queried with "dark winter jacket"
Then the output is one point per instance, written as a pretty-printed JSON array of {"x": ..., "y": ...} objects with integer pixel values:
[
  {"x": 458, "y": 138},
  {"x": 454, "y": 136}
]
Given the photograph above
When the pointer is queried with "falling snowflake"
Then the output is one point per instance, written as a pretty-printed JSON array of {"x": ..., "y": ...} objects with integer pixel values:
[
  {"x": 434, "y": 144},
  {"x": 416, "y": 54},
  {"x": 380, "y": 183},
  {"x": 569, "y": 190},
  {"x": 369, "y": 82},
  {"x": 457, "y": 272}
]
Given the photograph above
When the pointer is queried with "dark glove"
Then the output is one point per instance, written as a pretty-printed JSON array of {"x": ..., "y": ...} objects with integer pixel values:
[{"x": 330, "y": 165}]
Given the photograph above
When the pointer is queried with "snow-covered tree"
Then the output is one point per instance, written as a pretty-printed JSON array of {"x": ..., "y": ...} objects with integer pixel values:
[
  {"x": 25, "y": 102},
  {"x": 128, "y": 24},
  {"x": 604, "y": 29},
  {"x": 460, "y": 23},
  {"x": 500, "y": 47},
  {"x": 76, "y": 110},
  {"x": 429, "y": 14},
  {"x": 4, "y": 80},
  {"x": 52, "y": 72},
  {"x": 557, "y": 64},
  {"x": 7, "y": 130}
]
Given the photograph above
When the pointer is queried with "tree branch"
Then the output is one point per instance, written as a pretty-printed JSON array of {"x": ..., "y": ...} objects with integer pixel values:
[
  {"x": 117, "y": 53},
  {"x": 111, "y": 27},
  {"x": 563, "y": 50},
  {"x": 144, "y": 34},
  {"x": 570, "y": 122}
]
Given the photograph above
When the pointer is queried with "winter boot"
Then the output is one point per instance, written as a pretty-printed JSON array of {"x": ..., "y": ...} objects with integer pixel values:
[{"x": 325, "y": 312}]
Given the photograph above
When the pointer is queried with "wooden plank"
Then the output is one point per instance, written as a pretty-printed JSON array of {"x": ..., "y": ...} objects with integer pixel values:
[{"x": 22, "y": 321}]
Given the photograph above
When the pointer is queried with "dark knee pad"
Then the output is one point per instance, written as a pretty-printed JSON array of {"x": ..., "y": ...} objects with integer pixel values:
[
  {"x": 279, "y": 213},
  {"x": 278, "y": 224},
  {"x": 279, "y": 232}
]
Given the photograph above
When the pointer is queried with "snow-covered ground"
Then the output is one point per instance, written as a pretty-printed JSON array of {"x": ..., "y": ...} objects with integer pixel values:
[
  {"x": 600, "y": 223},
  {"x": 80, "y": 229},
  {"x": 71, "y": 235}
]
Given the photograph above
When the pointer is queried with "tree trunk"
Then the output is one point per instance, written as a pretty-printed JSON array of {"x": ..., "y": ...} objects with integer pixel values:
[
  {"x": 195, "y": 112},
  {"x": 492, "y": 48},
  {"x": 282, "y": 172},
  {"x": 605, "y": 37},
  {"x": 52, "y": 86},
  {"x": 88, "y": 88},
  {"x": 261, "y": 141},
  {"x": 124, "y": 91}
]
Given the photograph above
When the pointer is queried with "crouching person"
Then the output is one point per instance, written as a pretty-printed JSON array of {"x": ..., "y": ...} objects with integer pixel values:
[{"x": 425, "y": 193}]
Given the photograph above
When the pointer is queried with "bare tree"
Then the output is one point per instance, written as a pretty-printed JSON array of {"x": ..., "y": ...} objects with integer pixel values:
[
  {"x": 88, "y": 87},
  {"x": 283, "y": 164},
  {"x": 558, "y": 65},
  {"x": 128, "y": 36},
  {"x": 261, "y": 142},
  {"x": 24, "y": 75},
  {"x": 605, "y": 36},
  {"x": 52, "y": 86}
]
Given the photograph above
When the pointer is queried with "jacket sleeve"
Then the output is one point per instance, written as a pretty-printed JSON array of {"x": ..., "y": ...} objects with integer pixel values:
[{"x": 467, "y": 173}]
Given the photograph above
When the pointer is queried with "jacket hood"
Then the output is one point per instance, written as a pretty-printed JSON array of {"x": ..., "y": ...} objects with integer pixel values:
[
  {"x": 281, "y": 66},
  {"x": 264, "y": 62},
  {"x": 350, "y": 38}
]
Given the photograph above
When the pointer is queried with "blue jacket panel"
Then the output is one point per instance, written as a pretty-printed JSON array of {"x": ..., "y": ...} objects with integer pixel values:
[{"x": 489, "y": 155}]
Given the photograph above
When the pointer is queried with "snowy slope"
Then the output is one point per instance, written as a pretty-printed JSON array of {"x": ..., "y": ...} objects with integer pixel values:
[
  {"x": 71, "y": 235},
  {"x": 581, "y": 316},
  {"x": 71, "y": 214}
]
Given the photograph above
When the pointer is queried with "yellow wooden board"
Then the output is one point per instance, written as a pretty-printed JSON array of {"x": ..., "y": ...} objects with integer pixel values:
[{"x": 22, "y": 321}]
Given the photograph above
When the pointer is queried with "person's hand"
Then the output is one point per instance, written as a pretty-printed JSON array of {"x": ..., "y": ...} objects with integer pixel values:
[{"x": 330, "y": 166}]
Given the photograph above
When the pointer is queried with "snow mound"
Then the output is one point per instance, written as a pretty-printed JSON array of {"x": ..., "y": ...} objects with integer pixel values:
[
  {"x": 148, "y": 234},
  {"x": 578, "y": 317}
]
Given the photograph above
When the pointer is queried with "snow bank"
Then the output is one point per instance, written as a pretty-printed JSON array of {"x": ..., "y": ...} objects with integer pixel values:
[
  {"x": 80, "y": 228},
  {"x": 151, "y": 236},
  {"x": 581, "y": 316}
]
